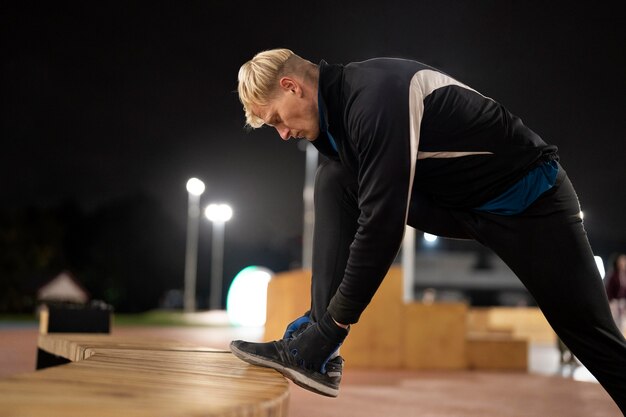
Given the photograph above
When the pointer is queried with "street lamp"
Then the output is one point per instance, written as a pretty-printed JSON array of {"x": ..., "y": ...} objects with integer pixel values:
[
  {"x": 218, "y": 214},
  {"x": 195, "y": 188},
  {"x": 430, "y": 238}
]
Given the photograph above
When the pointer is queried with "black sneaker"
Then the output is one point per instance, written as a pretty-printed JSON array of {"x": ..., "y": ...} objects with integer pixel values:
[
  {"x": 334, "y": 370},
  {"x": 276, "y": 355},
  {"x": 304, "y": 357}
]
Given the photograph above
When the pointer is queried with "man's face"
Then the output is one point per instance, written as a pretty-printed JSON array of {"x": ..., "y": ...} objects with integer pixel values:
[{"x": 292, "y": 112}]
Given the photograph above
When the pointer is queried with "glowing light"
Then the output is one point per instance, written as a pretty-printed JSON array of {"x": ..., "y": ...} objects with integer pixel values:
[
  {"x": 195, "y": 186},
  {"x": 581, "y": 214},
  {"x": 218, "y": 212},
  {"x": 246, "y": 303},
  {"x": 600, "y": 265},
  {"x": 430, "y": 238}
]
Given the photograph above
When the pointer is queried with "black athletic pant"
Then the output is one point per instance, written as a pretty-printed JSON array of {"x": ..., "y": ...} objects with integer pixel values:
[{"x": 546, "y": 247}]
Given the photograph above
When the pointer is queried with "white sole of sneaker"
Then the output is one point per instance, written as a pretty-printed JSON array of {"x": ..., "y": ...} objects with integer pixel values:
[{"x": 297, "y": 377}]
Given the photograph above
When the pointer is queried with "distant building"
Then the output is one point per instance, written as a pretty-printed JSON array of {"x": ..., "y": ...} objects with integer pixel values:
[
  {"x": 64, "y": 288},
  {"x": 479, "y": 278}
]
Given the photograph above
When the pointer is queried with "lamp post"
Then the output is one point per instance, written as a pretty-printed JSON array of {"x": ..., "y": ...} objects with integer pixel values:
[
  {"x": 218, "y": 214},
  {"x": 195, "y": 188},
  {"x": 309, "y": 208},
  {"x": 408, "y": 263}
]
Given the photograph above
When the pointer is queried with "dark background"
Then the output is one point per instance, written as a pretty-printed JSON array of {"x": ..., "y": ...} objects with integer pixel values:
[{"x": 108, "y": 108}]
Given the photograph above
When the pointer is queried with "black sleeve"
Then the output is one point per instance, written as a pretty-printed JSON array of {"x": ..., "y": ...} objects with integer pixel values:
[{"x": 379, "y": 128}]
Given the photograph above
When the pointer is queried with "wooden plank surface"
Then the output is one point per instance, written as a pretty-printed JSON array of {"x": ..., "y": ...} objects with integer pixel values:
[
  {"x": 140, "y": 377},
  {"x": 79, "y": 346}
]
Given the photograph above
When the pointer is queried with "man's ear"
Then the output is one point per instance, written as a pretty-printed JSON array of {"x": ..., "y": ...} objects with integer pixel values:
[{"x": 290, "y": 85}]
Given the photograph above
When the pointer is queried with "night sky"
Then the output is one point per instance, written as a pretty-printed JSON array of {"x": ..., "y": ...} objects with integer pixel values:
[{"x": 101, "y": 100}]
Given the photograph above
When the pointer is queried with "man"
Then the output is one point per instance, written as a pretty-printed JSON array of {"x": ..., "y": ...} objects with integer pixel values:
[{"x": 408, "y": 144}]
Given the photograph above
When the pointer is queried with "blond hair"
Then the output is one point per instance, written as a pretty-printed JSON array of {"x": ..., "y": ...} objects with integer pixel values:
[{"x": 258, "y": 79}]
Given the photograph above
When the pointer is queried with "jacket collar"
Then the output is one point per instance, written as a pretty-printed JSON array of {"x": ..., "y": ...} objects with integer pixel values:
[
  {"x": 330, "y": 96},
  {"x": 329, "y": 99}
]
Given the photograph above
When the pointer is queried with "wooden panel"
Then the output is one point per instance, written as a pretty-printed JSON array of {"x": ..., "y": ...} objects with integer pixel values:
[
  {"x": 391, "y": 334},
  {"x": 478, "y": 320},
  {"x": 523, "y": 322},
  {"x": 376, "y": 341},
  {"x": 373, "y": 342},
  {"x": 126, "y": 380},
  {"x": 288, "y": 297},
  {"x": 497, "y": 353},
  {"x": 435, "y": 336},
  {"x": 527, "y": 323}
]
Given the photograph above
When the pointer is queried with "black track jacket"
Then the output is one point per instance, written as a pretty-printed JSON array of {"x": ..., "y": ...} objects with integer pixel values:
[{"x": 403, "y": 127}]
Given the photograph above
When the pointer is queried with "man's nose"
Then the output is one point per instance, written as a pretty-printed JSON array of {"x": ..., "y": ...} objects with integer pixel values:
[{"x": 284, "y": 132}]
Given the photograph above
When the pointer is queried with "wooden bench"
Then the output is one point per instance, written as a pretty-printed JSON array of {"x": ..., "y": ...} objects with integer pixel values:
[{"x": 135, "y": 377}]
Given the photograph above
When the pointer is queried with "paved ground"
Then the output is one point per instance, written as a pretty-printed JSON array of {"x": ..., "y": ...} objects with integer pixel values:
[{"x": 387, "y": 393}]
